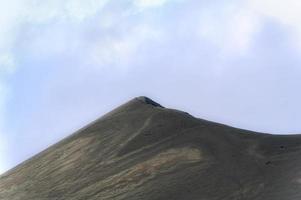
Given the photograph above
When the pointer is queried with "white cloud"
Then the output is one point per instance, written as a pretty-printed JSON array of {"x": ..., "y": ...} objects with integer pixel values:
[
  {"x": 15, "y": 14},
  {"x": 7, "y": 63},
  {"x": 73, "y": 10},
  {"x": 286, "y": 13},
  {"x": 82, "y": 9},
  {"x": 121, "y": 50},
  {"x": 9, "y": 18},
  {"x": 230, "y": 28},
  {"x": 143, "y": 4}
]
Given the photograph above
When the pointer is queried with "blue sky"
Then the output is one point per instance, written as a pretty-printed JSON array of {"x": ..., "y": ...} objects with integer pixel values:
[{"x": 65, "y": 63}]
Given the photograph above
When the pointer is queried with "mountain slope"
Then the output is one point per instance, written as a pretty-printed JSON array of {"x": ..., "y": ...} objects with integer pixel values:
[{"x": 142, "y": 151}]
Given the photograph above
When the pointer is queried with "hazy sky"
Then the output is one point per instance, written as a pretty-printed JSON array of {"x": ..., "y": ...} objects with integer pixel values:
[{"x": 65, "y": 63}]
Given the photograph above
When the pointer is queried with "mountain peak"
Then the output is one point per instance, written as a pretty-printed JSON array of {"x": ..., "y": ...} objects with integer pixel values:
[
  {"x": 149, "y": 101},
  {"x": 138, "y": 148}
]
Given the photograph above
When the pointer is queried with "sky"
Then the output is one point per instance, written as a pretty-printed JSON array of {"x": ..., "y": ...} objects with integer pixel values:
[{"x": 66, "y": 63}]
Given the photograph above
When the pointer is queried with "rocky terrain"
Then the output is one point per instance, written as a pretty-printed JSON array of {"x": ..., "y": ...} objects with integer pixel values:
[{"x": 143, "y": 151}]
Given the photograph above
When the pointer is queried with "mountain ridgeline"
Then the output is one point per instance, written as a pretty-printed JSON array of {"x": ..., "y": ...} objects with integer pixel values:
[{"x": 143, "y": 151}]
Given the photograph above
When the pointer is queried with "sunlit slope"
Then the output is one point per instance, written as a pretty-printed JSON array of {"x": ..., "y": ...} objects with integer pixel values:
[{"x": 142, "y": 151}]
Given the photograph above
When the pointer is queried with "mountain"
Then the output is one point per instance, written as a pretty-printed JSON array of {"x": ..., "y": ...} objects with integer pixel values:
[{"x": 143, "y": 151}]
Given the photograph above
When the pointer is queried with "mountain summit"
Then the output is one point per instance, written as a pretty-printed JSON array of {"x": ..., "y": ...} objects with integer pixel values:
[
  {"x": 148, "y": 101},
  {"x": 143, "y": 151}
]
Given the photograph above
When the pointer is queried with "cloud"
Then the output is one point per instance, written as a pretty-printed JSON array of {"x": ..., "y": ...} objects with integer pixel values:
[
  {"x": 15, "y": 15},
  {"x": 120, "y": 51},
  {"x": 73, "y": 10},
  {"x": 144, "y": 4},
  {"x": 106, "y": 39},
  {"x": 285, "y": 12},
  {"x": 59, "y": 26},
  {"x": 231, "y": 28},
  {"x": 9, "y": 20},
  {"x": 7, "y": 63}
]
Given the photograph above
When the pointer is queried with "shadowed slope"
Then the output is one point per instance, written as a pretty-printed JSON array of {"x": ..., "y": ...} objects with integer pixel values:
[{"x": 142, "y": 151}]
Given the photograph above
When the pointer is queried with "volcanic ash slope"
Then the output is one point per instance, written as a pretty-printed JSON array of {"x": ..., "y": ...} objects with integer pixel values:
[{"x": 143, "y": 151}]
